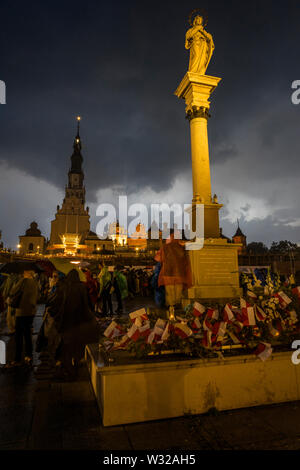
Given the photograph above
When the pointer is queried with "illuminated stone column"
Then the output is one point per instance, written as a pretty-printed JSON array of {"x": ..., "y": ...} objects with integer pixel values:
[
  {"x": 215, "y": 266},
  {"x": 196, "y": 89}
]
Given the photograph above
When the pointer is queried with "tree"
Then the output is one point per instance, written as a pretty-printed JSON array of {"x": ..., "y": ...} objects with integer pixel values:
[
  {"x": 257, "y": 248},
  {"x": 284, "y": 246}
]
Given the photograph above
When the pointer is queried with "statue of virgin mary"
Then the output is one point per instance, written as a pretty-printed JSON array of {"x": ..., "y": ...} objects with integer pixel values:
[{"x": 201, "y": 46}]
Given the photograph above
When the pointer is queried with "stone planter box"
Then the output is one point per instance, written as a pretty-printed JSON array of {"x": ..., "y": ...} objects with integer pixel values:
[{"x": 130, "y": 390}]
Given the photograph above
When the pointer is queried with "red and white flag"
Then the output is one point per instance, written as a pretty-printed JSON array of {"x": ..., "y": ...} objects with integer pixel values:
[
  {"x": 166, "y": 333},
  {"x": 228, "y": 315},
  {"x": 283, "y": 299},
  {"x": 233, "y": 337},
  {"x": 198, "y": 309},
  {"x": 263, "y": 351},
  {"x": 206, "y": 340},
  {"x": 219, "y": 330},
  {"x": 145, "y": 329},
  {"x": 139, "y": 314},
  {"x": 296, "y": 292},
  {"x": 259, "y": 313},
  {"x": 251, "y": 294},
  {"x": 182, "y": 330},
  {"x": 113, "y": 330},
  {"x": 211, "y": 314},
  {"x": 196, "y": 325},
  {"x": 248, "y": 317},
  {"x": 157, "y": 331},
  {"x": 133, "y": 333}
]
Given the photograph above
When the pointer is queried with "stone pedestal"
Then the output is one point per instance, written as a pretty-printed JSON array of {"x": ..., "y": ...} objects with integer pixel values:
[
  {"x": 131, "y": 391},
  {"x": 215, "y": 266},
  {"x": 215, "y": 271}
]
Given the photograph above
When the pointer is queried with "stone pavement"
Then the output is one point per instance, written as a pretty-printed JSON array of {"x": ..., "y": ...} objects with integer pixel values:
[{"x": 50, "y": 415}]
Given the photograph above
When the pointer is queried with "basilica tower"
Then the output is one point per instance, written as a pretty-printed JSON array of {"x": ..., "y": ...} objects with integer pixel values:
[{"x": 72, "y": 222}]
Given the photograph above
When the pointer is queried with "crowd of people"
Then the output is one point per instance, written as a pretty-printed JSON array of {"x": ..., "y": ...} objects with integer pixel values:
[{"x": 72, "y": 307}]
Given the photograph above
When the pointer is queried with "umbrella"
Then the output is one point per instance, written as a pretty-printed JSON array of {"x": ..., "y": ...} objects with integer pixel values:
[
  {"x": 19, "y": 267},
  {"x": 65, "y": 266},
  {"x": 46, "y": 266}
]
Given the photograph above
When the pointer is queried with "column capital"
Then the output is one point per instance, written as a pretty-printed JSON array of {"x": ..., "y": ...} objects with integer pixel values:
[
  {"x": 197, "y": 112},
  {"x": 196, "y": 89}
]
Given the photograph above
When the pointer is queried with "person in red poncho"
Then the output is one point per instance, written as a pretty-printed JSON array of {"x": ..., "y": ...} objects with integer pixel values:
[
  {"x": 175, "y": 273},
  {"x": 92, "y": 288}
]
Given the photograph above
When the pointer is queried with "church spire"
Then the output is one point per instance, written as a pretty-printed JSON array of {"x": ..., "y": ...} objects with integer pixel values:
[
  {"x": 78, "y": 126},
  {"x": 76, "y": 158}
]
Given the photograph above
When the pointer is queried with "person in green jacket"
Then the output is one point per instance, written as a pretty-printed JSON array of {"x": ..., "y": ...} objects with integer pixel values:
[
  {"x": 105, "y": 284},
  {"x": 120, "y": 286}
]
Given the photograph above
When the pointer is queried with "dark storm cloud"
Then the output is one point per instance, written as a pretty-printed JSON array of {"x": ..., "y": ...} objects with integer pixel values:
[{"x": 118, "y": 66}]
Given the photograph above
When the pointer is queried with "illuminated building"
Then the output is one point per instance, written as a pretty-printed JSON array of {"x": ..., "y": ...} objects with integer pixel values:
[
  {"x": 138, "y": 239},
  {"x": 117, "y": 234},
  {"x": 72, "y": 221},
  {"x": 240, "y": 238},
  {"x": 32, "y": 242}
]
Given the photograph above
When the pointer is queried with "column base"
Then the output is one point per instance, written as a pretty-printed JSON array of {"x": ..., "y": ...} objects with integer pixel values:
[
  {"x": 211, "y": 219},
  {"x": 215, "y": 271}
]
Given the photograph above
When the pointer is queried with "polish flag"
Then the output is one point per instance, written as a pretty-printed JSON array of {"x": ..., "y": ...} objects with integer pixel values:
[
  {"x": 263, "y": 351},
  {"x": 206, "y": 340},
  {"x": 228, "y": 314},
  {"x": 233, "y": 337},
  {"x": 196, "y": 325},
  {"x": 159, "y": 326},
  {"x": 259, "y": 313},
  {"x": 166, "y": 333},
  {"x": 182, "y": 330},
  {"x": 198, "y": 309},
  {"x": 133, "y": 333},
  {"x": 251, "y": 294},
  {"x": 138, "y": 321},
  {"x": 296, "y": 292},
  {"x": 145, "y": 330},
  {"x": 219, "y": 330},
  {"x": 283, "y": 299},
  {"x": 157, "y": 331},
  {"x": 113, "y": 330},
  {"x": 247, "y": 313},
  {"x": 211, "y": 314},
  {"x": 141, "y": 314}
]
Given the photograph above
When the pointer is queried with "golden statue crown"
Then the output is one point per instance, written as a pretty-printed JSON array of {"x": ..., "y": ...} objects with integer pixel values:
[{"x": 198, "y": 12}]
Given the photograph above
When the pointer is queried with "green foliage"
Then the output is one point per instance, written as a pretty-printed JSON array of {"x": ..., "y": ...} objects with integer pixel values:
[
  {"x": 257, "y": 248},
  {"x": 284, "y": 246}
]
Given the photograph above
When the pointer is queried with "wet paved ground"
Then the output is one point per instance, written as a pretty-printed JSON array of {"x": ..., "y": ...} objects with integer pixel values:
[{"x": 40, "y": 414}]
